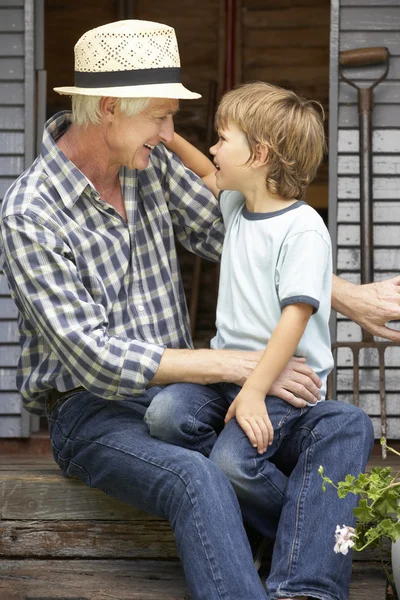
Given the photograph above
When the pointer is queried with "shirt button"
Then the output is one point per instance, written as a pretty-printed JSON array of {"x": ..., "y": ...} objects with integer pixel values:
[{"x": 140, "y": 308}]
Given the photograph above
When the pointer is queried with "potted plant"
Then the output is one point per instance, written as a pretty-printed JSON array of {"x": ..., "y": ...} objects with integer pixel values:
[{"x": 377, "y": 513}]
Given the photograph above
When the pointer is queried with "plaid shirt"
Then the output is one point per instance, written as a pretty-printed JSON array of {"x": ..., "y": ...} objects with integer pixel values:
[{"x": 99, "y": 299}]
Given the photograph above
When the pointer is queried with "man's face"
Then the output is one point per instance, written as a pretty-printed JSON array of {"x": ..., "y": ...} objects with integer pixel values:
[{"x": 131, "y": 139}]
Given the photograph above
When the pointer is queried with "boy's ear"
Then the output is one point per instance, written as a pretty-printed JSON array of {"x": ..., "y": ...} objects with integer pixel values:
[{"x": 261, "y": 157}]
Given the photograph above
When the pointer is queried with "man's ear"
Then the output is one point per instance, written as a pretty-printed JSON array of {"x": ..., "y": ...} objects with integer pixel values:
[
  {"x": 261, "y": 156},
  {"x": 108, "y": 107}
]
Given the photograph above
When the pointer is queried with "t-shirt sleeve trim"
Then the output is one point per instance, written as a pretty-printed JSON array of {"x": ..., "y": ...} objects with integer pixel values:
[{"x": 301, "y": 300}]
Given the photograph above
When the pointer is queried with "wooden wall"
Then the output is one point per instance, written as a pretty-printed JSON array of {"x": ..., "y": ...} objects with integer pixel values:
[
  {"x": 367, "y": 23},
  {"x": 16, "y": 151}
]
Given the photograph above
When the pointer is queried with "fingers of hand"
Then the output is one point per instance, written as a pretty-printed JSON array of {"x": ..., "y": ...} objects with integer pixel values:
[
  {"x": 256, "y": 430},
  {"x": 293, "y": 400}
]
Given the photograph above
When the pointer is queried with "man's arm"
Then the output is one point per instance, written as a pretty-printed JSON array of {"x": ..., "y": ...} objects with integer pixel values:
[
  {"x": 296, "y": 384},
  {"x": 371, "y": 305}
]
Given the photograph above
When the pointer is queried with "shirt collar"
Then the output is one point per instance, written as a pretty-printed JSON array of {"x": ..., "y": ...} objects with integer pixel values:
[{"x": 68, "y": 180}]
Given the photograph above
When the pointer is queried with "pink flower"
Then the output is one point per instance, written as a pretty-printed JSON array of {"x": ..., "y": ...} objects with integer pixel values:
[{"x": 343, "y": 537}]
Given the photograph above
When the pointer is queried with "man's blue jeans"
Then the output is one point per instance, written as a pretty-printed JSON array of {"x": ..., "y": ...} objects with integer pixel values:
[
  {"x": 279, "y": 491},
  {"x": 107, "y": 445}
]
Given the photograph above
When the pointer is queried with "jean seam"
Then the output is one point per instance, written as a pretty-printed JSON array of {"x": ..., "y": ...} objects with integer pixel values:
[
  {"x": 300, "y": 508},
  {"x": 267, "y": 479},
  {"x": 192, "y": 421},
  {"x": 314, "y": 593},
  {"x": 193, "y": 502}
]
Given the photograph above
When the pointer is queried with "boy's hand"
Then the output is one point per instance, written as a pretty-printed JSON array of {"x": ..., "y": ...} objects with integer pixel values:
[{"x": 251, "y": 414}]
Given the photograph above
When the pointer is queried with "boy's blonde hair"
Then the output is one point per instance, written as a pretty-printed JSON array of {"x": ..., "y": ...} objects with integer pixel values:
[{"x": 290, "y": 127}]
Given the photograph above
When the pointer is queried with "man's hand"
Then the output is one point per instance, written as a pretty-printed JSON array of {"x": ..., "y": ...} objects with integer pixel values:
[
  {"x": 377, "y": 304},
  {"x": 372, "y": 305},
  {"x": 251, "y": 414},
  {"x": 297, "y": 384}
]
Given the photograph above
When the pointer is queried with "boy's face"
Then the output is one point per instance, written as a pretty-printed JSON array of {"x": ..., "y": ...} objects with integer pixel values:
[{"x": 231, "y": 154}]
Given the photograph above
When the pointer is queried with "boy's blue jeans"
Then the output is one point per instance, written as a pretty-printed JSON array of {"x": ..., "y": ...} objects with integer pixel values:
[
  {"x": 107, "y": 445},
  {"x": 279, "y": 491}
]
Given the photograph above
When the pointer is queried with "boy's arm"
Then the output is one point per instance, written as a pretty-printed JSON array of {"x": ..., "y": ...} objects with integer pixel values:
[
  {"x": 249, "y": 405},
  {"x": 195, "y": 160}
]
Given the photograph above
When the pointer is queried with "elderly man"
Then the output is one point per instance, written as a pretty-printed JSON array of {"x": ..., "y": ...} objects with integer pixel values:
[{"x": 87, "y": 235}]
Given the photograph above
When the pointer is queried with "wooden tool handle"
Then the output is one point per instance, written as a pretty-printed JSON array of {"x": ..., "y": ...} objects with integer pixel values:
[{"x": 363, "y": 56}]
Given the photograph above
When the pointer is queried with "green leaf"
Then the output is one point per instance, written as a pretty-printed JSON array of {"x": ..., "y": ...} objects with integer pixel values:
[{"x": 363, "y": 511}]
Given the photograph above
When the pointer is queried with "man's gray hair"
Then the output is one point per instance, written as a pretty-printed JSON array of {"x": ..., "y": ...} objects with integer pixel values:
[{"x": 86, "y": 109}]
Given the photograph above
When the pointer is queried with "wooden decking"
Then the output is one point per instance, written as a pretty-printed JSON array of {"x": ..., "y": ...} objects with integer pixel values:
[{"x": 60, "y": 540}]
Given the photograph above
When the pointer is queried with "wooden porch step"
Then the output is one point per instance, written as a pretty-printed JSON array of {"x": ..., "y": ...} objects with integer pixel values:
[
  {"x": 91, "y": 580},
  {"x": 129, "y": 580},
  {"x": 60, "y": 540}
]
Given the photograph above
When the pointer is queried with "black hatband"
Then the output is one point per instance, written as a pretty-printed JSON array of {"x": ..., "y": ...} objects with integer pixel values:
[{"x": 125, "y": 78}]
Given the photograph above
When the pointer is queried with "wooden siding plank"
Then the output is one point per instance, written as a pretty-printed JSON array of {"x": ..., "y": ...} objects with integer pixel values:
[
  {"x": 7, "y": 380},
  {"x": 367, "y": 39},
  {"x": 385, "y": 93},
  {"x": 8, "y": 310},
  {"x": 306, "y": 37},
  {"x": 3, "y": 285},
  {"x": 11, "y": 68},
  {"x": 12, "y": 93},
  {"x": 383, "y": 188},
  {"x": 11, "y": 165},
  {"x": 5, "y": 183},
  {"x": 370, "y": 19},
  {"x": 383, "y": 140},
  {"x": 11, "y": 118},
  {"x": 355, "y": 277},
  {"x": 384, "y": 212},
  {"x": 381, "y": 165},
  {"x": 369, "y": 379},
  {"x": 8, "y": 332},
  {"x": 11, "y": 19},
  {"x": 369, "y": 358},
  {"x": 370, "y": 403},
  {"x": 287, "y": 17},
  {"x": 10, "y": 403},
  {"x": 10, "y": 426},
  {"x": 392, "y": 430},
  {"x": 384, "y": 115},
  {"x": 11, "y": 44},
  {"x": 387, "y": 259},
  {"x": 365, "y": 3},
  {"x": 374, "y": 72},
  {"x": 384, "y": 236},
  {"x": 9, "y": 355},
  {"x": 11, "y": 143}
]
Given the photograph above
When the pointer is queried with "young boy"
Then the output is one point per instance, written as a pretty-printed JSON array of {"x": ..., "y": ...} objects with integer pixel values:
[
  {"x": 276, "y": 267},
  {"x": 274, "y": 292}
]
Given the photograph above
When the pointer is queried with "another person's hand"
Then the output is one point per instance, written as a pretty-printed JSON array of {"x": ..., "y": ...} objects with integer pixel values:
[
  {"x": 297, "y": 384},
  {"x": 373, "y": 305},
  {"x": 251, "y": 414}
]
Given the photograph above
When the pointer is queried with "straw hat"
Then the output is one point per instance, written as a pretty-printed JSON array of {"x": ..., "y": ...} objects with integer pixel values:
[{"x": 128, "y": 59}]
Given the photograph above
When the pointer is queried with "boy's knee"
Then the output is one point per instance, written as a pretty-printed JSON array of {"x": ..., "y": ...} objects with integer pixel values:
[
  {"x": 162, "y": 417},
  {"x": 227, "y": 461}
]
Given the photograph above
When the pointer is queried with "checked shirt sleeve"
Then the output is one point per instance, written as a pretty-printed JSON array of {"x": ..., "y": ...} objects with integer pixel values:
[
  {"x": 72, "y": 327},
  {"x": 194, "y": 210}
]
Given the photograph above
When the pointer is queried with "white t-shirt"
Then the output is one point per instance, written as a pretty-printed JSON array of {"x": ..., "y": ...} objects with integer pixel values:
[{"x": 270, "y": 260}]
